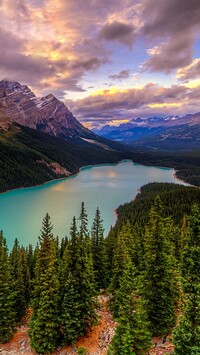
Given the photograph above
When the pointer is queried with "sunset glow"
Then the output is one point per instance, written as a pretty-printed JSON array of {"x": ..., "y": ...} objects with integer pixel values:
[{"x": 108, "y": 60}]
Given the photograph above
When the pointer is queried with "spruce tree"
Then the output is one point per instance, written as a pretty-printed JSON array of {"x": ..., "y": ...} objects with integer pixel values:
[
  {"x": 120, "y": 259},
  {"x": 19, "y": 273},
  {"x": 83, "y": 231},
  {"x": 72, "y": 326},
  {"x": 7, "y": 295},
  {"x": 77, "y": 287},
  {"x": 110, "y": 242},
  {"x": 26, "y": 275},
  {"x": 30, "y": 260},
  {"x": 187, "y": 334},
  {"x": 44, "y": 324},
  {"x": 99, "y": 252},
  {"x": 159, "y": 287},
  {"x": 132, "y": 335},
  {"x": 63, "y": 245},
  {"x": 133, "y": 243}
]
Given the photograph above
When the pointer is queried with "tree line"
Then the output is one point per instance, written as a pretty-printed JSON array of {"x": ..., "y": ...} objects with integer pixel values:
[{"x": 150, "y": 272}]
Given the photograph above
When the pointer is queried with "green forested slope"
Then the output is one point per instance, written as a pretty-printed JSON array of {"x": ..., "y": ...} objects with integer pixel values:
[
  {"x": 177, "y": 200},
  {"x": 25, "y": 155}
]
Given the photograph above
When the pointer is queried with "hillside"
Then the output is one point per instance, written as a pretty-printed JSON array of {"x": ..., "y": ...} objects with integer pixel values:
[
  {"x": 30, "y": 157},
  {"x": 177, "y": 200}
]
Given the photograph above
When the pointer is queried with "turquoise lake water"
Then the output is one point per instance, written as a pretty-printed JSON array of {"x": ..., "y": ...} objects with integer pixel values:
[{"x": 105, "y": 186}]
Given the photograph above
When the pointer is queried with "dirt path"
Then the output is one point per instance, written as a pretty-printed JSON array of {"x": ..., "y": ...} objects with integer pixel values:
[
  {"x": 161, "y": 348},
  {"x": 96, "y": 341}
]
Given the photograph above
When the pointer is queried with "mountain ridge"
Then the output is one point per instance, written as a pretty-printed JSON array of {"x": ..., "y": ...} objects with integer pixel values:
[
  {"x": 47, "y": 114},
  {"x": 164, "y": 133}
]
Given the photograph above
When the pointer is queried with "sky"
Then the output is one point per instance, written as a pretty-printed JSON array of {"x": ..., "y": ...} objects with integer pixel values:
[{"x": 110, "y": 61}]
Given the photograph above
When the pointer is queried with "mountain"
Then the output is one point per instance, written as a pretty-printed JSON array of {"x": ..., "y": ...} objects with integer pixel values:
[
  {"x": 155, "y": 132},
  {"x": 41, "y": 140},
  {"x": 46, "y": 114}
]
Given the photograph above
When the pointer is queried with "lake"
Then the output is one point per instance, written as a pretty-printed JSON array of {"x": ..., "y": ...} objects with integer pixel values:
[{"x": 105, "y": 186}]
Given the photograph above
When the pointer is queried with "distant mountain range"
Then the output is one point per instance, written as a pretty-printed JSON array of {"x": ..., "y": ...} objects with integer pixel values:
[{"x": 165, "y": 133}]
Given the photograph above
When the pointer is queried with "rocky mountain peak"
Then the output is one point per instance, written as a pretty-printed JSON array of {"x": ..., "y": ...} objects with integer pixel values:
[{"x": 19, "y": 104}]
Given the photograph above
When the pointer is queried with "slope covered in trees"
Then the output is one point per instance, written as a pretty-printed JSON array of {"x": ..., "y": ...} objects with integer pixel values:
[
  {"x": 29, "y": 157},
  {"x": 149, "y": 264}
]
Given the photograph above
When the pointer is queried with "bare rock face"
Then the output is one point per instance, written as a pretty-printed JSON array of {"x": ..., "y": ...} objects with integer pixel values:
[{"x": 47, "y": 114}]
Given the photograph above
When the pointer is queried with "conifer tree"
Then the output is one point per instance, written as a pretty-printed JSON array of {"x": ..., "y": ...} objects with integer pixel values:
[
  {"x": 120, "y": 259},
  {"x": 72, "y": 326},
  {"x": 187, "y": 334},
  {"x": 110, "y": 242},
  {"x": 63, "y": 245},
  {"x": 19, "y": 283},
  {"x": 45, "y": 320},
  {"x": 159, "y": 287},
  {"x": 83, "y": 231},
  {"x": 132, "y": 334},
  {"x": 99, "y": 251},
  {"x": 26, "y": 275},
  {"x": 133, "y": 243},
  {"x": 77, "y": 288},
  {"x": 7, "y": 295},
  {"x": 30, "y": 260}
]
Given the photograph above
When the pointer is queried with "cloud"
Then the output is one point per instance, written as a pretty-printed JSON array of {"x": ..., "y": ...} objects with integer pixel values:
[
  {"x": 16, "y": 65},
  {"x": 88, "y": 64},
  {"x": 10, "y": 42},
  {"x": 124, "y": 74},
  {"x": 39, "y": 71},
  {"x": 59, "y": 45},
  {"x": 151, "y": 100},
  {"x": 48, "y": 45},
  {"x": 170, "y": 17},
  {"x": 171, "y": 54},
  {"x": 118, "y": 31},
  {"x": 175, "y": 24},
  {"x": 189, "y": 72}
]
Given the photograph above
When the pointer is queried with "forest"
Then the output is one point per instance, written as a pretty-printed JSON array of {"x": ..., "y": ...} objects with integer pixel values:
[{"x": 148, "y": 264}]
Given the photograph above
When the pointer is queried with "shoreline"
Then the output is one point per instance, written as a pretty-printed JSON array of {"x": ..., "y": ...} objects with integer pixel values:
[{"x": 73, "y": 175}]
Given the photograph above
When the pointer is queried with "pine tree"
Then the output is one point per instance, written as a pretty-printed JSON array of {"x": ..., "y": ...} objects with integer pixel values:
[
  {"x": 30, "y": 260},
  {"x": 26, "y": 275},
  {"x": 99, "y": 252},
  {"x": 110, "y": 242},
  {"x": 132, "y": 334},
  {"x": 83, "y": 231},
  {"x": 120, "y": 259},
  {"x": 159, "y": 287},
  {"x": 187, "y": 334},
  {"x": 77, "y": 288},
  {"x": 63, "y": 245},
  {"x": 19, "y": 282},
  {"x": 7, "y": 295},
  {"x": 72, "y": 326},
  {"x": 45, "y": 320},
  {"x": 133, "y": 243}
]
